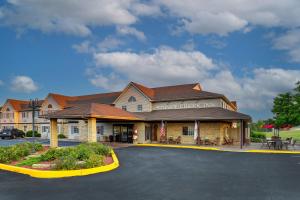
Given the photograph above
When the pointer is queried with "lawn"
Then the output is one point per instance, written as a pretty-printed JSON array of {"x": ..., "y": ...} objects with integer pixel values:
[{"x": 284, "y": 134}]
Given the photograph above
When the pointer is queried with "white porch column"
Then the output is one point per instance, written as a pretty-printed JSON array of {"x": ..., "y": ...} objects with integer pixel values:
[
  {"x": 53, "y": 133},
  {"x": 92, "y": 130}
]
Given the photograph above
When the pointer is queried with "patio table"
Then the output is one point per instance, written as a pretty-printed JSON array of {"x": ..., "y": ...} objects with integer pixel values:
[{"x": 272, "y": 143}]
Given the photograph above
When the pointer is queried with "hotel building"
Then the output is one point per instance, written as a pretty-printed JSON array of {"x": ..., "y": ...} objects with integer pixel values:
[{"x": 136, "y": 114}]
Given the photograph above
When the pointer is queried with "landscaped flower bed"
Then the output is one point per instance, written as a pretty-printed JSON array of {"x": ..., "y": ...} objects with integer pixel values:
[{"x": 30, "y": 155}]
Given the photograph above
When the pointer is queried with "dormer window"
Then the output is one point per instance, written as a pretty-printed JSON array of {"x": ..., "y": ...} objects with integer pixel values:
[
  {"x": 50, "y": 106},
  {"x": 132, "y": 99}
]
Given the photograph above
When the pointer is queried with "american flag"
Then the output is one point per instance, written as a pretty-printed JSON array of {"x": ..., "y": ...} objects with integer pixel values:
[{"x": 162, "y": 129}]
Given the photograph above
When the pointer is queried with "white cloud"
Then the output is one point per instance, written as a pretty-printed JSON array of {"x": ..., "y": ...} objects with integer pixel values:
[
  {"x": 111, "y": 82},
  {"x": 223, "y": 17},
  {"x": 83, "y": 47},
  {"x": 216, "y": 43},
  {"x": 290, "y": 41},
  {"x": 254, "y": 91},
  {"x": 126, "y": 30},
  {"x": 109, "y": 43},
  {"x": 146, "y": 9},
  {"x": 162, "y": 66},
  {"x": 23, "y": 84},
  {"x": 189, "y": 46},
  {"x": 72, "y": 17}
]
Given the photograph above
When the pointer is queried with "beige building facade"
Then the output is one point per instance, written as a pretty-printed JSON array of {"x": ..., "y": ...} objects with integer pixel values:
[{"x": 136, "y": 114}]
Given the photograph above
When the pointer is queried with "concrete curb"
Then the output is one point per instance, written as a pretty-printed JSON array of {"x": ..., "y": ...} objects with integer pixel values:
[
  {"x": 272, "y": 151},
  {"x": 179, "y": 146},
  {"x": 217, "y": 149},
  {"x": 61, "y": 174}
]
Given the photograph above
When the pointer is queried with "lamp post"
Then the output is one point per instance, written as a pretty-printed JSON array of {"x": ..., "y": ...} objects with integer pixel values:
[{"x": 33, "y": 104}]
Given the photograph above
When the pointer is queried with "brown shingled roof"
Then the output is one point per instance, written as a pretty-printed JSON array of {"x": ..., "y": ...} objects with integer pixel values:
[
  {"x": 215, "y": 113},
  {"x": 18, "y": 105},
  {"x": 149, "y": 92},
  {"x": 179, "y": 92},
  {"x": 21, "y": 105},
  {"x": 102, "y": 111},
  {"x": 66, "y": 101},
  {"x": 61, "y": 100}
]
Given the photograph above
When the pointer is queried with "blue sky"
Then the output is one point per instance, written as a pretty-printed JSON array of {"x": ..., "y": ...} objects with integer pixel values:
[{"x": 246, "y": 50}]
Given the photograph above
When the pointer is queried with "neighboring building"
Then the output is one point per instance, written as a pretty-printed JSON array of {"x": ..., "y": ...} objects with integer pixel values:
[
  {"x": 16, "y": 114},
  {"x": 136, "y": 110}
]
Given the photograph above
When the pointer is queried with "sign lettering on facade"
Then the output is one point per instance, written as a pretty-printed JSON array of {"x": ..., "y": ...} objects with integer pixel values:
[{"x": 183, "y": 106}]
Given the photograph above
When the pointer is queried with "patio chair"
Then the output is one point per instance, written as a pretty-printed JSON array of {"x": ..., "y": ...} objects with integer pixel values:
[
  {"x": 247, "y": 141},
  {"x": 216, "y": 141},
  {"x": 199, "y": 141},
  {"x": 278, "y": 144},
  {"x": 171, "y": 140},
  {"x": 264, "y": 143},
  {"x": 163, "y": 140},
  {"x": 293, "y": 143},
  {"x": 287, "y": 142},
  {"x": 178, "y": 140},
  {"x": 227, "y": 141}
]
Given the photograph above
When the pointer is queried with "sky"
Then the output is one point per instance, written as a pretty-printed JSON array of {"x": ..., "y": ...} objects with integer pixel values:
[{"x": 248, "y": 50}]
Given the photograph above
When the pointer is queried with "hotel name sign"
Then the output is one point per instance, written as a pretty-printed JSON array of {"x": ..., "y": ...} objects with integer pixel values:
[{"x": 183, "y": 106}]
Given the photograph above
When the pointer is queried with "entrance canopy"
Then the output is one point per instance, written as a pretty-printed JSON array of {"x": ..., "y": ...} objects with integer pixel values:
[{"x": 92, "y": 110}]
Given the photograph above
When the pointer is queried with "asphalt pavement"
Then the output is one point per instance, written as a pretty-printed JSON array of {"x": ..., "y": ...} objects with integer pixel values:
[{"x": 166, "y": 173}]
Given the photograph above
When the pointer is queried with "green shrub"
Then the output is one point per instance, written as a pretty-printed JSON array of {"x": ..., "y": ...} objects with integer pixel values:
[
  {"x": 29, "y": 134},
  {"x": 94, "y": 161},
  {"x": 4, "y": 155},
  {"x": 61, "y": 136},
  {"x": 258, "y": 135},
  {"x": 91, "y": 155},
  {"x": 83, "y": 152},
  {"x": 100, "y": 149},
  {"x": 49, "y": 155},
  {"x": 18, "y": 151},
  {"x": 66, "y": 163},
  {"x": 256, "y": 140}
]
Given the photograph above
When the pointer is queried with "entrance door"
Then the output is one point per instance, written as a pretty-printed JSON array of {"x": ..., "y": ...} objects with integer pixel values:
[
  {"x": 123, "y": 133},
  {"x": 45, "y": 131},
  {"x": 154, "y": 133}
]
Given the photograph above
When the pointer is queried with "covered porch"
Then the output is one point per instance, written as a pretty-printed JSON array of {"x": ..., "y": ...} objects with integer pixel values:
[
  {"x": 87, "y": 116},
  {"x": 207, "y": 126}
]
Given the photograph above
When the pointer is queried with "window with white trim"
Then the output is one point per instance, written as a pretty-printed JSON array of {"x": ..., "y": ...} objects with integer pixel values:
[
  {"x": 140, "y": 107},
  {"x": 74, "y": 130},
  {"x": 187, "y": 130},
  {"x": 132, "y": 99},
  {"x": 100, "y": 130}
]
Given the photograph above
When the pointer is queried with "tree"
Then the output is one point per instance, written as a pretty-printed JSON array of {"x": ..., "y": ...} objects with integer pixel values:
[
  {"x": 286, "y": 107},
  {"x": 296, "y": 104}
]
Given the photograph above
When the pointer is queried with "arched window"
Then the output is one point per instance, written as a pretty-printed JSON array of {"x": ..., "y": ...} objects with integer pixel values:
[
  {"x": 7, "y": 109},
  {"x": 50, "y": 106},
  {"x": 132, "y": 99}
]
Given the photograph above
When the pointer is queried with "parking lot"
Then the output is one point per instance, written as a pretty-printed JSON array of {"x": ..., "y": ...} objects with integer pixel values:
[{"x": 166, "y": 173}]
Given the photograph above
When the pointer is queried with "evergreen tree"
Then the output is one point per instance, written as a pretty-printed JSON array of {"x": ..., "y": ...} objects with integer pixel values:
[
  {"x": 283, "y": 109},
  {"x": 296, "y": 104},
  {"x": 286, "y": 107}
]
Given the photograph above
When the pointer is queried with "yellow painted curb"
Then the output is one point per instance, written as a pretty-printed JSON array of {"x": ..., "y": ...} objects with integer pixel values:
[
  {"x": 179, "y": 146},
  {"x": 217, "y": 149},
  {"x": 272, "y": 151},
  {"x": 60, "y": 174}
]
